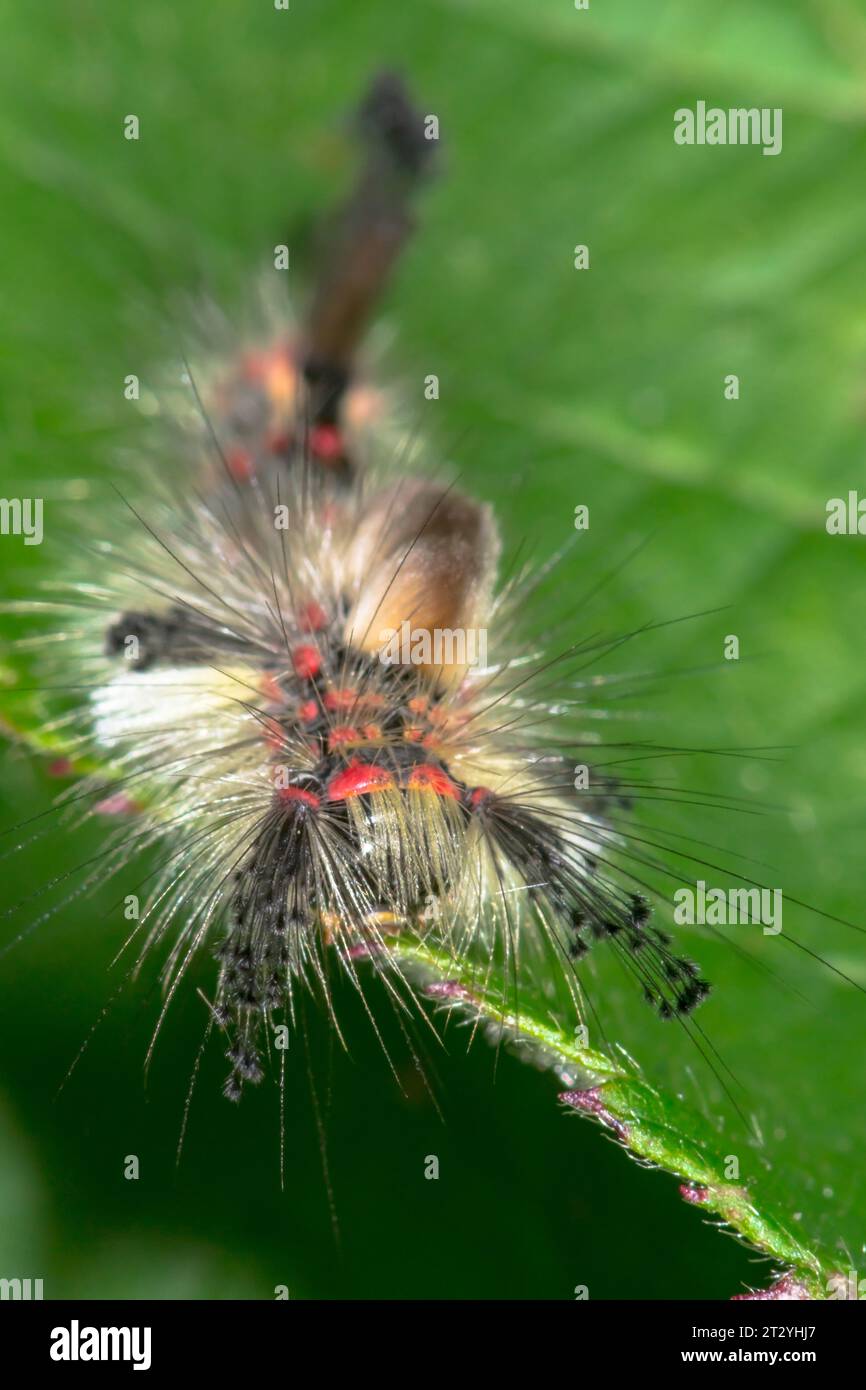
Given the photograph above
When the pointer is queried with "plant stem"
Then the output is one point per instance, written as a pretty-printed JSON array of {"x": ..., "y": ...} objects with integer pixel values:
[{"x": 656, "y": 1128}]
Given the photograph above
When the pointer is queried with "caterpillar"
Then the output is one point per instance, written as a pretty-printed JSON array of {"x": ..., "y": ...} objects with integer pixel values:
[{"x": 308, "y": 685}]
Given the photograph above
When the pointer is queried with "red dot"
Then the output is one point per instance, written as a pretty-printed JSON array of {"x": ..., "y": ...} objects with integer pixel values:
[
  {"x": 428, "y": 777},
  {"x": 342, "y": 733},
  {"x": 312, "y": 618},
  {"x": 307, "y": 662},
  {"x": 357, "y": 779},
  {"x": 240, "y": 464},
  {"x": 478, "y": 795},
  {"x": 298, "y": 794},
  {"x": 326, "y": 442},
  {"x": 279, "y": 443},
  {"x": 340, "y": 699},
  {"x": 308, "y": 711}
]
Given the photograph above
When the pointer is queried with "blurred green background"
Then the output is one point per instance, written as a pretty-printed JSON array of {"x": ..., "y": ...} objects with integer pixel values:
[{"x": 558, "y": 387}]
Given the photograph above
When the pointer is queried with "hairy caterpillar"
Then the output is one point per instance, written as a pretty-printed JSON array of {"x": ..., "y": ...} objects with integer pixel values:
[{"x": 313, "y": 800}]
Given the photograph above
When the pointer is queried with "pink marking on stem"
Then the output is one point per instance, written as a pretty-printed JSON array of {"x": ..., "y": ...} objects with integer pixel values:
[
  {"x": 370, "y": 948},
  {"x": 450, "y": 990},
  {"x": 787, "y": 1289},
  {"x": 590, "y": 1102},
  {"x": 694, "y": 1193}
]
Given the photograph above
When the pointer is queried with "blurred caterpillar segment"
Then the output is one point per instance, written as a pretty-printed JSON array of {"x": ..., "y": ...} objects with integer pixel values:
[
  {"x": 365, "y": 242},
  {"x": 318, "y": 800},
  {"x": 296, "y": 400}
]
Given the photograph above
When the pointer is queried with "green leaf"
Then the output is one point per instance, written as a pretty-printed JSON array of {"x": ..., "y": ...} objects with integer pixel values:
[{"x": 558, "y": 387}]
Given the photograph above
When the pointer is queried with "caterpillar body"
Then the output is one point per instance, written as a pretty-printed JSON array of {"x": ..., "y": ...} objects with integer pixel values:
[{"x": 294, "y": 686}]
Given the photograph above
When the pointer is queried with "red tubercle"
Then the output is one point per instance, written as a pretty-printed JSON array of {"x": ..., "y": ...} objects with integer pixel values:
[
  {"x": 240, "y": 464},
  {"x": 312, "y": 618},
  {"x": 338, "y": 701},
  {"x": 429, "y": 778},
  {"x": 418, "y": 704},
  {"x": 307, "y": 662},
  {"x": 341, "y": 733},
  {"x": 279, "y": 442},
  {"x": 299, "y": 794},
  {"x": 358, "y": 779},
  {"x": 308, "y": 711},
  {"x": 477, "y": 796},
  {"x": 326, "y": 443}
]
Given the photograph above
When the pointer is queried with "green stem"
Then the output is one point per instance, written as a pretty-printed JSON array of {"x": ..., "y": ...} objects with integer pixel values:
[{"x": 656, "y": 1128}]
